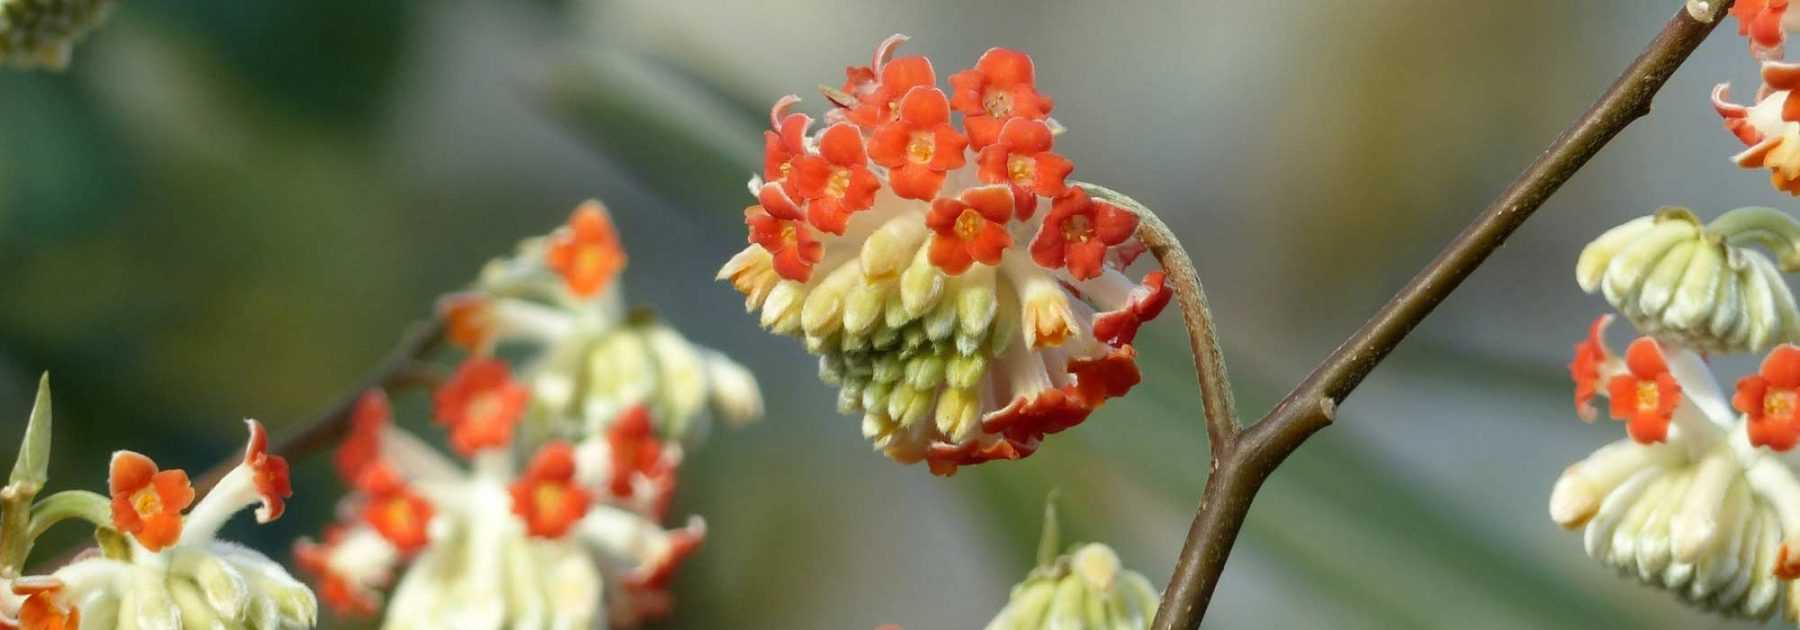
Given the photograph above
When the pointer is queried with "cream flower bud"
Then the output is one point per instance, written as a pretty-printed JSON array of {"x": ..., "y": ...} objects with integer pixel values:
[
  {"x": 1698, "y": 285},
  {"x": 1084, "y": 588},
  {"x": 44, "y": 32}
]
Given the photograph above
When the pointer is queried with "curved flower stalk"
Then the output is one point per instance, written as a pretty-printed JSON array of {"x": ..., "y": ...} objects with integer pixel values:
[
  {"x": 1702, "y": 498},
  {"x": 1696, "y": 285},
  {"x": 159, "y": 565},
  {"x": 555, "y": 520},
  {"x": 1083, "y": 588},
  {"x": 36, "y": 33},
  {"x": 962, "y": 293}
]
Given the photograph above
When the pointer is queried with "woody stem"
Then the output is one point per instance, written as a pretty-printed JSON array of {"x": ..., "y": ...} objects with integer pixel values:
[{"x": 1249, "y": 459}]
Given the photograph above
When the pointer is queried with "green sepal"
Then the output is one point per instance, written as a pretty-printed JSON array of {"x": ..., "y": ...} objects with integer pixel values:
[{"x": 32, "y": 468}]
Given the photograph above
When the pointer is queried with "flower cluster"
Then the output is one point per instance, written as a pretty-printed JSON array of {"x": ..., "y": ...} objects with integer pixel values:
[
  {"x": 159, "y": 565},
  {"x": 1696, "y": 285},
  {"x": 1702, "y": 497},
  {"x": 572, "y": 453},
  {"x": 962, "y": 293},
  {"x": 44, "y": 32},
  {"x": 1086, "y": 587}
]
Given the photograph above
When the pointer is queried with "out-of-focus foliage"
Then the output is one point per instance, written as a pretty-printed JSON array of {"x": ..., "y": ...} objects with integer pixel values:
[{"x": 230, "y": 209}]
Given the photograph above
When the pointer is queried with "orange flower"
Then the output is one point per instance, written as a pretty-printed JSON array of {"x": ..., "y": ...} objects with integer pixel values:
[
  {"x": 269, "y": 472},
  {"x": 881, "y": 103},
  {"x": 338, "y": 591},
  {"x": 46, "y": 606},
  {"x": 547, "y": 498},
  {"x": 1119, "y": 327},
  {"x": 1771, "y": 399},
  {"x": 1647, "y": 394},
  {"x": 636, "y": 453},
  {"x": 920, "y": 145},
  {"x": 837, "y": 181},
  {"x": 469, "y": 320},
  {"x": 1022, "y": 158},
  {"x": 587, "y": 252},
  {"x": 970, "y": 228},
  {"x": 147, "y": 503},
  {"x": 1590, "y": 356},
  {"x": 1002, "y": 86},
  {"x": 786, "y": 140},
  {"x": 394, "y": 510},
  {"x": 788, "y": 240},
  {"x": 1760, "y": 21},
  {"x": 362, "y": 447},
  {"x": 1078, "y": 231},
  {"x": 481, "y": 403}
]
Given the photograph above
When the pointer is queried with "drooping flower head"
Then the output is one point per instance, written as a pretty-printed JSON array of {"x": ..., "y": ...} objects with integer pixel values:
[
  {"x": 1703, "y": 498},
  {"x": 905, "y": 243},
  {"x": 570, "y": 445}
]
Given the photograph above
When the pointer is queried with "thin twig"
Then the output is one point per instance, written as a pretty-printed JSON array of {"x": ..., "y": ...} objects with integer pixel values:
[
  {"x": 1313, "y": 403},
  {"x": 399, "y": 368}
]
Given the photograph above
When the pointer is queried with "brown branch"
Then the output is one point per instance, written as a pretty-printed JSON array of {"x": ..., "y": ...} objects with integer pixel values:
[{"x": 1312, "y": 404}]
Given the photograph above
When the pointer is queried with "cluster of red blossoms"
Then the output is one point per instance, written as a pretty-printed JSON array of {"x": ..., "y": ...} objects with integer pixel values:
[
  {"x": 1644, "y": 393},
  {"x": 962, "y": 292},
  {"x": 1770, "y": 128},
  {"x": 572, "y": 537}
]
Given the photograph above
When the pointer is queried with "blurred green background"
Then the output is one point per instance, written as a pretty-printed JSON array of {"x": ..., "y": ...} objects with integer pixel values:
[{"x": 230, "y": 209}]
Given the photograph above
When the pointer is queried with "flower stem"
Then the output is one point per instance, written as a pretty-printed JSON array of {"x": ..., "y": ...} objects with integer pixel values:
[
  {"x": 1311, "y": 406},
  {"x": 1216, "y": 400}
]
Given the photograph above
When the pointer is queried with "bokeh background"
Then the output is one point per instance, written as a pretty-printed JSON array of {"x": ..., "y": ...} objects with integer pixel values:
[{"x": 230, "y": 209}]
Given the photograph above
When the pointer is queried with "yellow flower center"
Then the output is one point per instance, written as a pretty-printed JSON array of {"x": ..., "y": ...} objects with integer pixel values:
[
  {"x": 968, "y": 224},
  {"x": 921, "y": 147},
  {"x": 485, "y": 407},
  {"x": 590, "y": 261},
  {"x": 1648, "y": 396},
  {"x": 786, "y": 167},
  {"x": 839, "y": 183},
  {"x": 548, "y": 498},
  {"x": 147, "y": 502},
  {"x": 1022, "y": 169},
  {"x": 1078, "y": 229},
  {"x": 1780, "y": 403},
  {"x": 790, "y": 235},
  {"x": 400, "y": 515},
  {"x": 998, "y": 103}
]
